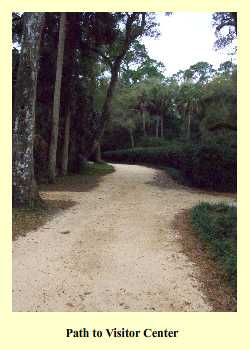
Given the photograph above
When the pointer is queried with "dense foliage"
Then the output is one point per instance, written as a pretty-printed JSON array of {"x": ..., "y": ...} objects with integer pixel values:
[
  {"x": 206, "y": 165},
  {"x": 211, "y": 166},
  {"x": 217, "y": 225}
]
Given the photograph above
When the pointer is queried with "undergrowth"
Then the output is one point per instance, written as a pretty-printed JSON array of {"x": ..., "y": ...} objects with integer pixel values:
[
  {"x": 217, "y": 227},
  {"x": 100, "y": 168}
]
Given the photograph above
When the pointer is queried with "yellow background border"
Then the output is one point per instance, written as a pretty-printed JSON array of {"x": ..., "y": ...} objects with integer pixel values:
[{"x": 197, "y": 330}]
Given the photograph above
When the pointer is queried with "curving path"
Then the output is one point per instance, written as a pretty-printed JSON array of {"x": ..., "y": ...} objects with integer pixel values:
[{"x": 116, "y": 250}]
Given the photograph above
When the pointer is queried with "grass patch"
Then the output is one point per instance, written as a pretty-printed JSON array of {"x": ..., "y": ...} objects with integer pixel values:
[
  {"x": 217, "y": 227},
  {"x": 95, "y": 169}
]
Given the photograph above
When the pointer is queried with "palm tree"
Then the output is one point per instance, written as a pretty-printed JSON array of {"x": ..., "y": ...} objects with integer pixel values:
[
  {"x": 160, "y": 103},
  {"x": 189, "y": 103}
]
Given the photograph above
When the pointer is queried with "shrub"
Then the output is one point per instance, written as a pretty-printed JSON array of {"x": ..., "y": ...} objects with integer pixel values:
[
  {"x": 217, "y": 225},
  {"x": 147, "y": 141},
  {"x": 212, "y": 167},
  {"x": 206, "y": 166},
  {"x": 170, "y": 155},
  {"x": 115, "y": 139}
]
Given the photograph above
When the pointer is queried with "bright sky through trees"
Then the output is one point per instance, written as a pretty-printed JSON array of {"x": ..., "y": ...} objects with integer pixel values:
[{"x": 186, "y": 38}]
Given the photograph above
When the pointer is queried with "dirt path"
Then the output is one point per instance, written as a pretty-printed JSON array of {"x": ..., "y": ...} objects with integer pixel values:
[{"x": 116, "y": 250}]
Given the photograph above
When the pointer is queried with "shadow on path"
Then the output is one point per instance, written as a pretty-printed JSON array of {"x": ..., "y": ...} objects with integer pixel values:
[{"x": 72, "y": 183}]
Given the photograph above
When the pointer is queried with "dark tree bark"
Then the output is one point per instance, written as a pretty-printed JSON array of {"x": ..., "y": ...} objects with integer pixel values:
[
  {"x": 98, "y": 153},
  {"x": 143, "y": 118},
  {"x": 188, "y": 126},
  {"x": 157, "y": 127},
  {"x": 131, "y": 138},
  {"x": 162, "y": 127},
  {"x": 56, "y": 103},
  {"x": 144, "y": 123},
  {"x": 24, "y": 186},
  {"x": 71, "y": 41},
  {"x": 65, "y": 152},
  {"x": 106, "y": 111}
]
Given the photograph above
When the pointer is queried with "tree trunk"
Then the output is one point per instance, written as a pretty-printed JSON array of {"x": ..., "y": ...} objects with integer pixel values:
[
  {"x": 106, "y": 110},
  {"x": 130, "y": 35},
  {"x": 111, "y": 88},
  {"x": 65, "y": 152},
  {"x": 56, "y": 102},
  {"x": 24, "y": 186},
  {"x": 144, "y": 123},
  {"x": 162, "y": 128},
  {"x": 188, "y": 126},
  {"x": 157, "y": 128},
  {"x": 68, "y": 83},
  {"x": 98, "y": 154},
  {"x": 131, "y": 138}
]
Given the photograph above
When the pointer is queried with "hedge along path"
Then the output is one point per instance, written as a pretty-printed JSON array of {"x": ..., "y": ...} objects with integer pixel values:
[{"x": 116, "y": 250}]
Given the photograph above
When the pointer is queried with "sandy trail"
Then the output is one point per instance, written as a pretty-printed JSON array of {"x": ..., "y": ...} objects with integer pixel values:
[{"x": 121, "y": 254}]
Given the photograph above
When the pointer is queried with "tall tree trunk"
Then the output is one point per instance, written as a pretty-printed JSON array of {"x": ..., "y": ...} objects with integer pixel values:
[
  {"x": 68, "y": 82},
  {"x": 188, "y": 126},
  {"x": 144, "y": 123},
  {"x": 24, "y": 186},
  {"x": 56, "y": 102},
  {"x": 131, "y": 138},
  {"x": 65, "y": 152},
  {"x": 98, "y": 154},
  {"x": 157, "y": 128},
  {"x": 106, "y": 110},
  {"x": 90, "y": 145},
  {"x": 162, "y": 127}
]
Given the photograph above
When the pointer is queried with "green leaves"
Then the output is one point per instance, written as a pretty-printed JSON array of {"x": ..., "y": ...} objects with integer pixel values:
[
  {"x": 217, "y": 226},
  {"x": 200, "y": 72},
  {"x": 138, "y": 66}
]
